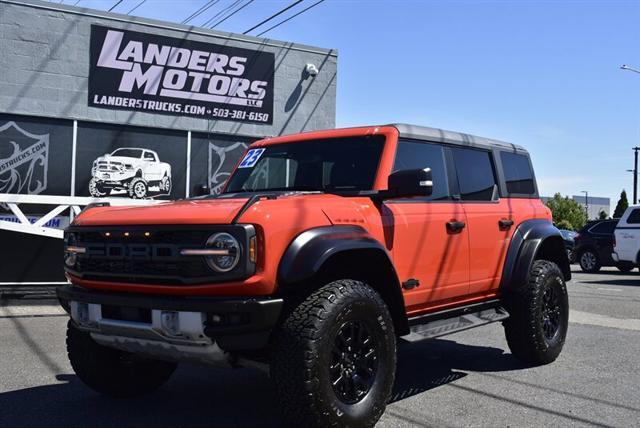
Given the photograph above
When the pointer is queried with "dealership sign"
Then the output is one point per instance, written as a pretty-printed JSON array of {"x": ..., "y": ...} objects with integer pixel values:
[{"x": 151, "y": 73}]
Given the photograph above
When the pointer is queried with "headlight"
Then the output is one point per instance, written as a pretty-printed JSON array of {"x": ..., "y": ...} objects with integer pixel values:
[
  {"x": 70, "y": 257},
  {"x": 229, "y": 246}
]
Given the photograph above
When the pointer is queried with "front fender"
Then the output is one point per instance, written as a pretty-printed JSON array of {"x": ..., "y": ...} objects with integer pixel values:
[{"x": 311, "y": 249}]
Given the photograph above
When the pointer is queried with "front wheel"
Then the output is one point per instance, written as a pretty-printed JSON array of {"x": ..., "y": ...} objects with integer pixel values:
[
  {"x": 334, "y": 357},
  {"x": 96, "y": 189},
  {"x": 112, "y": 372},
  {"x": 589, "y": 261},
  {"x": 138, "y": 188},
  {"x": 538, "y": 315}
]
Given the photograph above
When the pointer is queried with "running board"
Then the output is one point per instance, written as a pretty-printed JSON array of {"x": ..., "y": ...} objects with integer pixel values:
[{"x": 454, "y": 320}]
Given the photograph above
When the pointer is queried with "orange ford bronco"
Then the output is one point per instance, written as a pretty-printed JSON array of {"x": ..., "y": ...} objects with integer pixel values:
[{"x": 323, "y": 251}]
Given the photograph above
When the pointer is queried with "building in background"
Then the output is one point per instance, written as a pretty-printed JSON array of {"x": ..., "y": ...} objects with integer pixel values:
[
  {"x": 594, "y": 204},
  {"x": 101, "y": 104}
]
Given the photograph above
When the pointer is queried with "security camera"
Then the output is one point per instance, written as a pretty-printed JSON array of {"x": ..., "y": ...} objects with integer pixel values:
[{"x": 311, "y": 69}]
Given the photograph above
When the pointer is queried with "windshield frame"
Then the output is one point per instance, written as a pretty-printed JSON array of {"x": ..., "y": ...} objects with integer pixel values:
[{"x": 382, "y": 170}]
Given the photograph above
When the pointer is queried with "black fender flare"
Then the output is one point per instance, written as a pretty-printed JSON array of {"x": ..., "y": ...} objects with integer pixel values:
[
  {"x": 528, "y": 241},
  {"x": 310, "y": 250}
]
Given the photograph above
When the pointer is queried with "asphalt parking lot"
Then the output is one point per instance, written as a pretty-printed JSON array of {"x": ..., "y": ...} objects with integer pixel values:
[{"x": 467, "y": 379}]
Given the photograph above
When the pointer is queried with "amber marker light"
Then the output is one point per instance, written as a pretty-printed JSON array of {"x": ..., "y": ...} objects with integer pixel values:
[{"x": 253, "y": 249}]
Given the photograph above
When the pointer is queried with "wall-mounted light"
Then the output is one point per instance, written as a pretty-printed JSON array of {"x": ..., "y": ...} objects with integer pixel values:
[{"x": 311, "y": 69}]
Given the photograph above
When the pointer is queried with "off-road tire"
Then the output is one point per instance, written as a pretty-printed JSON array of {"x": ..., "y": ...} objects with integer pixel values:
[
  {"x": 625, "y": 267},
  {"x": 524, "y": 328},
  {"x": 96, "y": 189},
  {"x": 304, "y": 347},
  {"x": 166, "y": 185},
  {"x": 112, "y": 372},
  {"x": 135, "y": 184},
  {"x": 587, "y": 267}
]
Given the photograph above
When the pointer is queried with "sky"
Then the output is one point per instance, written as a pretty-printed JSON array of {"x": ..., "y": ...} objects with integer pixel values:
[{"x": 542, "y": 74}]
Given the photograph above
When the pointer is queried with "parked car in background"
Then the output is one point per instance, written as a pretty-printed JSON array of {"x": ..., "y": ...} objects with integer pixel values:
[
  {"x": 594, "y": 246},
  {"x": 627, "y": 237},
  {"x": 569, "y": 243}
]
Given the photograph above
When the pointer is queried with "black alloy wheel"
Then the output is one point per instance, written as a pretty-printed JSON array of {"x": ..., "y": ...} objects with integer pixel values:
[{"x": 354, "y": 361}]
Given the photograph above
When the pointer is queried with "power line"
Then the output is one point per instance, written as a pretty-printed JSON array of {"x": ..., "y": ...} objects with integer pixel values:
[
  {"x": 114, "y": 6},
  {"x": 234, "y": 12},
  {"x": 222, "y": 12},
  {"x": 290, "y": 18},
  {"x": 76, "y": 3},
  {"x": 198, "y": 11},
  {"x": 274, "y": 15},
  {"x": 137, "y": 6}
]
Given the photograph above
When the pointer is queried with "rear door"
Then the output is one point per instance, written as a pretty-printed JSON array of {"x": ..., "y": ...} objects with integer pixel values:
[
  {"x": 602, "y": 235},
  {"x": 429, "y": 240},
  {"x": 490, "y": 220}
]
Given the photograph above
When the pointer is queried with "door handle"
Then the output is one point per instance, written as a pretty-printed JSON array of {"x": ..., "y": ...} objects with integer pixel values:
[
  {"x": 455, "y": 226},
  {"x": 505, "y": 224}
]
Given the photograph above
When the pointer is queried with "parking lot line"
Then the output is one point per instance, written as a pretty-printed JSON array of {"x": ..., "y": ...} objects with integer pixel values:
[{"x": 580, "y": 317}]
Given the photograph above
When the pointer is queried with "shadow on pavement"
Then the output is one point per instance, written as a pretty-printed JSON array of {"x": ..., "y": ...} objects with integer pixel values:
[
  {"x": 202, "y": 396},
  {"x": 620, "y": 282}
]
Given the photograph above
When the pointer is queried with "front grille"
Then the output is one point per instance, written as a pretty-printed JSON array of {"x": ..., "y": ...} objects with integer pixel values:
[{"x": 150, "y": 254}]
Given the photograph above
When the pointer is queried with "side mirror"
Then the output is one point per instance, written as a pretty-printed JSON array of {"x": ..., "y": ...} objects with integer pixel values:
[
  {"x": 201, "y": 190},
  {"x": 411, "y": 182}
]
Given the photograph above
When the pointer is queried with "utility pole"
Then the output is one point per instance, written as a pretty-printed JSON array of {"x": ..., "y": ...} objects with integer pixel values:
[
  {"x": 586, "y": 201},
  {"x": 635, "y": 175}
]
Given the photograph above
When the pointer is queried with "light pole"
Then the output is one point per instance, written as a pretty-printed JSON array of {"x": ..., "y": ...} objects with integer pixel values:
[
  {"x": 635, "y": 149},
  {"x": 586, "y": 201}
]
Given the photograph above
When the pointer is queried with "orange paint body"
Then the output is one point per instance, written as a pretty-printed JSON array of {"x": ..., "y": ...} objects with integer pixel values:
[{"x": 449, "y": 269}]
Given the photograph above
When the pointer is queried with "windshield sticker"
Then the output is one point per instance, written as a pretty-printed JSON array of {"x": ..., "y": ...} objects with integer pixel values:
[{"x": 251, "y": 158}]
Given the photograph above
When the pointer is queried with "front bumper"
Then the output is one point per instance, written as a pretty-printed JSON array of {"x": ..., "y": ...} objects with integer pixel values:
[{"x": 203, "y": 329}]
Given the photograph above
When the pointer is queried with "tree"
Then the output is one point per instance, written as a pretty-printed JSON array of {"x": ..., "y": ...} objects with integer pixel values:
[
  {"x": 602, "y": 215},
  {"x": 567, "y": 212},
  {"x": 622, "y": 205}
]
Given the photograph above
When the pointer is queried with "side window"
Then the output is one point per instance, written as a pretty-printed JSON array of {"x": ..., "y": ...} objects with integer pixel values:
[
  {"x": 149, "y": 156},
  {"x": 476, "y": 177},
  {"x": 414, "y": 155},
  {"x": 634, "y": 217},
  {"x": 517, "y": 173}
]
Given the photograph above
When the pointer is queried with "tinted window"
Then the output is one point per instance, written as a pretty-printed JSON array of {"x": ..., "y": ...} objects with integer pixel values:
[
  {"x": 337, "y": 164},
  {"x": 517, "y": 173},
  {"x": 475, "y": 174},
  {"x": 634, "y": 217},
  {"x": 604, "y": 227},
  {"x": 412, "y": 155},
  {"x": 149, "y": 156}
]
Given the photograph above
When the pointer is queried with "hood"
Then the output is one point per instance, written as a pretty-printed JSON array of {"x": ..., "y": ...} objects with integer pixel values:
[
  {"x": 191, "y": 211},
  {"x": 122, "y": 159}
]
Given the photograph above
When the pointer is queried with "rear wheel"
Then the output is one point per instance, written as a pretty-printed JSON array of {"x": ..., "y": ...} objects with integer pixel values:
[
  {"x": 112, "y": 372},
  {"x": 538, "y": 315},
  {"x": 589, "y": 261},
  {"x": 335, "y": 357}
]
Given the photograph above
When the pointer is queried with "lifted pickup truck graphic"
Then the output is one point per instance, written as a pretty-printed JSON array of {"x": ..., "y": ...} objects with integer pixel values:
[{"x": 132, "y": 170}]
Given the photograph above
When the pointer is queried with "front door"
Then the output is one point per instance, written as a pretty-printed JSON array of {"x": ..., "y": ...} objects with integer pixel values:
[{"x": 428, "y": 235}]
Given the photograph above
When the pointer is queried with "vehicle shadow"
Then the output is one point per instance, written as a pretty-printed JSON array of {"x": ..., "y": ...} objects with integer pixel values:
[
  {"x": 619, "y": 282},
  {"x": 201, "y": 396}
]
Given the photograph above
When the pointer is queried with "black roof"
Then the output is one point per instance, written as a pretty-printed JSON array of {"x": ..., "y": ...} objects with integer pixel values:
[{"x": 451, "y": 137}]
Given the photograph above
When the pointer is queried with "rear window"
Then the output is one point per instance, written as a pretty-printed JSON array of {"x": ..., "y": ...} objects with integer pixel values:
[
  {"x": 634, "y": 217},
  {"x": 517, "y": 173},
  {"x": 604, "y": 227}
]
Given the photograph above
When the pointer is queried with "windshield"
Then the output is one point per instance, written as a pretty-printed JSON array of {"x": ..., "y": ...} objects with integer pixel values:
[
  {"x": 128, "y": 153},
  {"x": 336, "y": 164}
]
